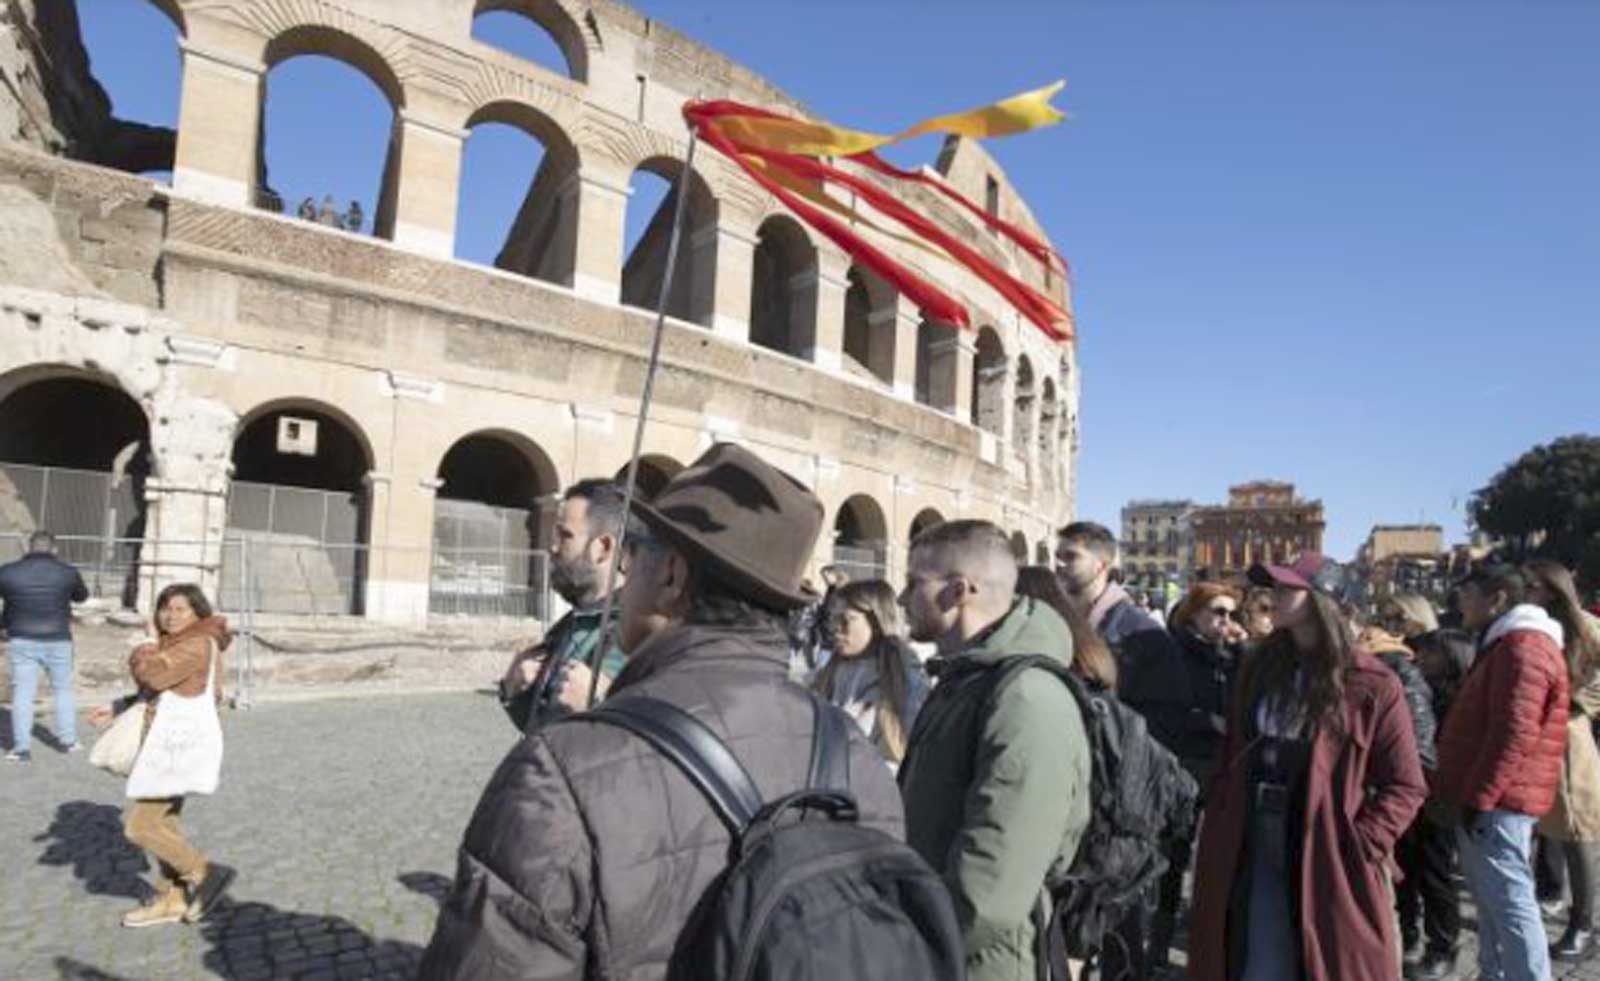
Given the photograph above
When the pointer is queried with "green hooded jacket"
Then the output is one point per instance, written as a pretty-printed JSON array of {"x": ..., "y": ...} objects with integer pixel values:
[{"x": 995, "y": 803}]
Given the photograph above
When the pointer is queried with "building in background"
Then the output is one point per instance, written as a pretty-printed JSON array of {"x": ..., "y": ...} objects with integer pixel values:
[
  {"x": 1157, "y": 543},
  {"x": 1406, "y": 559},
  {"x": 1263, "y": 521}
]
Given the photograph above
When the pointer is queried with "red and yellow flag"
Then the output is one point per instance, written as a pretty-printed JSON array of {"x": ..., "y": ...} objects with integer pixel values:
[{"x": 789, "y": 158}]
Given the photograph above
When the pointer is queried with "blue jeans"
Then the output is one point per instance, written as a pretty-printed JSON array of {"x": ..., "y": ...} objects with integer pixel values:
[
  {"x": 1496, "y": 859},
  {"x": 28, "y": 658}
]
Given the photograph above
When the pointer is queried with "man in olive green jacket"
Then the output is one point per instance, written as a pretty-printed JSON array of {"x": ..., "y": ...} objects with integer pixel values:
[{"x": 998, "y": 801}]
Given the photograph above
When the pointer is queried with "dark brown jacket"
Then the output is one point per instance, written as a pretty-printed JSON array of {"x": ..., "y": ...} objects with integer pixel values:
[
  {"x": 179, "y": 662},
  {"x": 588, "y": 849}
]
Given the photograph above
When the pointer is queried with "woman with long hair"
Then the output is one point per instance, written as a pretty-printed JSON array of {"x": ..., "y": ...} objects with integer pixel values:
[
  {"x": 874, "y": 675},
  {"x": 180, "y": 684},
  {"x": 1572, "y": 827},
  {"x": 1091, "y": 658},
  {"x": 1317, "y": 778}
]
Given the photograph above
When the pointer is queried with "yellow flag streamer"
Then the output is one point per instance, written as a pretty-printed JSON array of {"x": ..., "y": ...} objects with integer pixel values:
[{"x": 1018, "y": 114}]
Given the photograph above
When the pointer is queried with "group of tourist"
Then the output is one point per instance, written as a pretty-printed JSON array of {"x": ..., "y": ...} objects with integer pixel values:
[{"x": 1323, "y": 770}]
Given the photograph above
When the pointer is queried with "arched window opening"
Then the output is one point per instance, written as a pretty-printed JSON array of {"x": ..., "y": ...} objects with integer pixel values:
[
  {"x": 298, "y": 510},
  {"x": 860, "y": 538},
  {"x": 133, "y": 55},
  {"x": 1041, "y": 553},
  {"x": 989, "y": 383},
  {"x": 74, "y": 460},
  {"x": 490, "y": 519},
  {"x": 783, "y": 289},
  {"x": 648, "y": 231},
  {"x": 1019, "y": 547},
  {"x": 937, "y": 364},
  {"x": 655, "y": 470},
  {"x": 1023, "y": 408},
  {"x": 511, "y": 145},
  {"x": 1048, "y": 432},
  {"x": 330, "y": 144},
  {"x": 534, "y": 30},
  {"x": 869, "y": 326},
  {"x": 925, "y": 519}
]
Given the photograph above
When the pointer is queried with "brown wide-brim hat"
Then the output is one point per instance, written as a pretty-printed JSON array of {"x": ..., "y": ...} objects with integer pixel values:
[{"x": 750, "y": 523}]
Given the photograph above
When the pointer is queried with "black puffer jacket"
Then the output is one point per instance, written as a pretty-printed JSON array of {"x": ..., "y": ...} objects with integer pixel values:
[
  {"x": 39, "y": 590},
  {"x": 1209, "y": 670},
  {"x": 588, "y": 849},
  {"x": 1419, "y": 699}
]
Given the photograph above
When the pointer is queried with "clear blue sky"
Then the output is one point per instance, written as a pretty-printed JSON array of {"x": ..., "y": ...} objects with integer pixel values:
[{"x": 1353, "y": 245}]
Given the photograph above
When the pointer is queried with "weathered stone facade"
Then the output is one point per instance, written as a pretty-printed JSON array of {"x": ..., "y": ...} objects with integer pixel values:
[{"x": 212, "y": 314}]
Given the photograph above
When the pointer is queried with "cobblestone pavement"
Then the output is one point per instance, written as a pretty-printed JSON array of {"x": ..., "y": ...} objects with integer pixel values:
[{"x": 342, "y": 817}]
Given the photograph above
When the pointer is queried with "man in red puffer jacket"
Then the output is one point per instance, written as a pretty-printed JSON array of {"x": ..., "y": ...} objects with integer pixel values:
[{"x": 1500, "y": 762}]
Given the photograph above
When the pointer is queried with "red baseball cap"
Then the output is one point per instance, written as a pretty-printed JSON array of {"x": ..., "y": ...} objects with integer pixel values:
[{"x": 1300, "y": 574}]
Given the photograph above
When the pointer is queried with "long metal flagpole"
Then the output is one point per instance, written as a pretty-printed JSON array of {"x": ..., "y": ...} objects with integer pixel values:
[{"x": 679, "y": 206}]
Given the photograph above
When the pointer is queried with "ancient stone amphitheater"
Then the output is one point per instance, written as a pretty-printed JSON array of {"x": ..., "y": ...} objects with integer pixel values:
[{"x": 195, "y": 385}]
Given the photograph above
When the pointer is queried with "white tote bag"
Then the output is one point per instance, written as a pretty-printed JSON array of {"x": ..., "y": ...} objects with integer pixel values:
[
  {"x": 182, "y": 753},
  {"x": 118, "y": 746}
]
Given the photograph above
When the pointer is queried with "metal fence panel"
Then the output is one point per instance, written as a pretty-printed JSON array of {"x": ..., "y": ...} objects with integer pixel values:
[
  {"x": 861, "y": 562},
  {"x": 484, "y": 562}
]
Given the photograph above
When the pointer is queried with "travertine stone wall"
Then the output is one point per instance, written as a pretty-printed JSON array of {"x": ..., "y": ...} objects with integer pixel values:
[{"x": 210, "y": 313}]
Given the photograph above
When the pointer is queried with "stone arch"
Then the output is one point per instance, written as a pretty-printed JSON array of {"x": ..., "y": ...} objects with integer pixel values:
[
  {"x": 989, "y": 382},
  {"x": 135, "y": 144},
  {"x": 326, "y": 41},
  {"x": 925, "y": 519},
  {"x": 557, "y": 21},
  {"x": 870, "y": 309},
  {"x": 783, "y": 288},
  {"x": 75, "y": 455},
  {"x": 655, "y": 469},
  {"x": 299, "y": 510},
  {"x": 491, "y": 519},
  {"x": 1023, "y": 407},
  {"x": 693, "y": 284},
  {"x": 1019, "y": 547},
  {"x": 542, "y": 239},
  {"x": 860, "y": 538}
]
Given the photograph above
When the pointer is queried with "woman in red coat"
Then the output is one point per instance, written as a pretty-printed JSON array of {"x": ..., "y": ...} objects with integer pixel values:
[{"x": 1318, "y": 776}]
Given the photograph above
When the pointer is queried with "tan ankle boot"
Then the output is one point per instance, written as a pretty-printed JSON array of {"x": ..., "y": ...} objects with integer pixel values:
[{"x": 165, "y": 907}]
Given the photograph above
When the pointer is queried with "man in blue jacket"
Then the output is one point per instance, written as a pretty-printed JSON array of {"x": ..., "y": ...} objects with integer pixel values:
[{"x": 38, "y": 591}]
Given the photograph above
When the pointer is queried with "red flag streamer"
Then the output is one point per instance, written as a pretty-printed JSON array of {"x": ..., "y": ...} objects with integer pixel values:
[{"x": 777, "y": 169}]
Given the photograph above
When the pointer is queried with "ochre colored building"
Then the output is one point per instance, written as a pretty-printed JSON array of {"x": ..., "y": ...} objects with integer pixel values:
[{"x": 1263, "y": 521}]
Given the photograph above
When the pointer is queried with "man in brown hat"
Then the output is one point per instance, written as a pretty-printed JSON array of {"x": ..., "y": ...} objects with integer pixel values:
[{"x": 589, "y": 851}]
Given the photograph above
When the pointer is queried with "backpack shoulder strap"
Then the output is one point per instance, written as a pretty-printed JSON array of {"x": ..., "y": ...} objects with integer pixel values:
[
  {"x": 690, "y": 744},
  {"x": 1011, "y": 668},
  {"x": 830, "y": 747}
]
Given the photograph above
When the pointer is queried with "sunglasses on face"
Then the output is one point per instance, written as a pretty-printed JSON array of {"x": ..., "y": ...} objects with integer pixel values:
[{"x": 1221, "y": 611}]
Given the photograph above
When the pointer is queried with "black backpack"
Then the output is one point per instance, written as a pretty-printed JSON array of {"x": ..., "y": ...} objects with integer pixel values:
[
  {"x": 829, "y": 899},
  {"x": 1135, "y": 785}
]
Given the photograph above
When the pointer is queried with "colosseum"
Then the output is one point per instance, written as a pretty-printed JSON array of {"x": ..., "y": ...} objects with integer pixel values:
[{"x": 196, "y": 385}]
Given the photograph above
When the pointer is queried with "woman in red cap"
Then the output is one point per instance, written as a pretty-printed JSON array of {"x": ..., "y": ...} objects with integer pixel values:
[{"x": 1317, "y": 777}]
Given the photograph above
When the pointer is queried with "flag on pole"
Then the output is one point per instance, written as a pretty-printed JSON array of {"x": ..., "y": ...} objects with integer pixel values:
[{"x": 793, "y": 160}]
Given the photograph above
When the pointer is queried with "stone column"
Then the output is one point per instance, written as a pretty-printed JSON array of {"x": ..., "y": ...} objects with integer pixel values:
[
  {"x": 429, "y": 182},
  {"x": 907, "y": 319},
  {"x": 219, "y": 118},
  {"x": 602, "y": 213},
  {"x": 950, "y": 371},
  {"x": 723, "y": 263},
  {"x": 827, "y": 340}
]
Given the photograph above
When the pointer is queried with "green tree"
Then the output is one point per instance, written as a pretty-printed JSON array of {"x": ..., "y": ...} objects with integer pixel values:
[{"x": 1547, "y": 503}]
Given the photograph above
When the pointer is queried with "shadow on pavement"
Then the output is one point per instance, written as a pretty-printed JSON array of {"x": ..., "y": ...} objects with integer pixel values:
[
  {"x": 68, "y": 969},
  {"x": 250, "y": 940},
  {"x": 88, "y": 837},
  {"x": 41, "y": 735}
]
